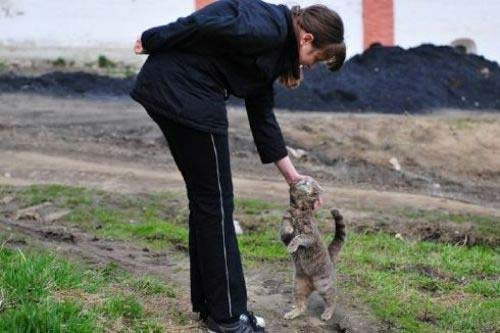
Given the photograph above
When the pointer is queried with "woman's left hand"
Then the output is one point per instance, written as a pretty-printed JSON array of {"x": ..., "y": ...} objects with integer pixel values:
[
  {"x": 318, "y": 203},
  {"x": 138, "y": 49}
]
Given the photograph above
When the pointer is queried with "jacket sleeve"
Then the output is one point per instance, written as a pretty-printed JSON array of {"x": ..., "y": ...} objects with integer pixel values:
[
  {"x": 265, "y": 129},
  {"x": 225, "y": 25}
]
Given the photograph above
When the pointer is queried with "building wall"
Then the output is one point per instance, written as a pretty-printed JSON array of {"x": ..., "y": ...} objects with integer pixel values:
[
  {"x": 84, "y": 29},
  {"x": 441, "y": 22},
  {"x": 81, "y": 29}
]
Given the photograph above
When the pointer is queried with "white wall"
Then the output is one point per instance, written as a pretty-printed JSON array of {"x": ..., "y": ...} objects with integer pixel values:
[
  {"x": 80, "y": 28},
  {"x": 441, "y": 22},
  {"x": 83, "y": 29}
]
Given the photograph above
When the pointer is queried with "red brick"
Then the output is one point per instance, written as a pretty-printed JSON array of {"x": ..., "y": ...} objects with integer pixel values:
[
  {"x": 378, "y": 22},
  {"x": 202, "y": 3}
]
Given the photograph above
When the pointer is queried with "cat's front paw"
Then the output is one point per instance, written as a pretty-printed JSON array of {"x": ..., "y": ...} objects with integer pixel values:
[
  {"x": 294, "y": 313},
  {"x": 288, "y": 230},
  {"x": 327, "y": 315},
  {"x": 293, "y": 246}
]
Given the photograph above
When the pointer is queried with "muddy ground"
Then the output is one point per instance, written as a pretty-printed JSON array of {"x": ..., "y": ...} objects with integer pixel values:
[{"x": 449, "y": 164}]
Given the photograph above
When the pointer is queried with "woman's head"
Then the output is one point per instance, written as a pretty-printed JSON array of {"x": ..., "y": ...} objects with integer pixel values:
[
  {"x": 320, "y": 38},
  {"x": 320, "y": 33}
]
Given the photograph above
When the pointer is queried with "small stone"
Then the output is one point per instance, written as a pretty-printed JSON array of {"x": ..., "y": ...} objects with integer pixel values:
[
  {"x": 7, "y": 199},
  {"x": 297, "y": 153},
  {"x": 56, "y": 215},
  {"x": 237, "y": 227},
  {"x": 395, "y": 164}
]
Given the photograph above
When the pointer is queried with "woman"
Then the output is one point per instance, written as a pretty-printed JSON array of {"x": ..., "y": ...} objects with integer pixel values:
[{"x": 237, "y": 47}]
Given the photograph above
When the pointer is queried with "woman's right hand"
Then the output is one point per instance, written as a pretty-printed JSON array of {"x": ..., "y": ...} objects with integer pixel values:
[{"x": 138, "y": 49}]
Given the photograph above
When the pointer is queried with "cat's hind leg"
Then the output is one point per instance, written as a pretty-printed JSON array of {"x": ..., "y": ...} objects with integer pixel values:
[
  {"x": 326, "y": 290},
  {"x": 302, "y": 290}
]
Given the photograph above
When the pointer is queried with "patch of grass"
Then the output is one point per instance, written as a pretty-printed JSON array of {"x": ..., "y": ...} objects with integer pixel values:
[
  {"x": 3, "y": 65},
  {"x": 28, "y": 283},
  {"x": 121, "y": 71},
  {"x": 462, "y": 124},
  {"x": 412, "y": 286},
  {"x": 262, "y": 247},
  {"x": 489, "y": 226},
  {"x": 45, "y": 293},
  {"x": 59, "y": 62},
  {"x": 123, "y": 306},
  {"x": 34, "y": 277},
  {"x": 253, "y": 206},
  {"x": 105, "y": 62},
  {"x": 48, "y": 316},
  {"x": 151, "y": 286},
  {"x": 424, "y": 286},
  {"x": 64, "y": 196}
]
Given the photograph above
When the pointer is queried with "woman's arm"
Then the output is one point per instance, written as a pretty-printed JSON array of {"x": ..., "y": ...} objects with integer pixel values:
[
  {"x": 288, "y": 171},
  {"x": 246, "y": 27}
]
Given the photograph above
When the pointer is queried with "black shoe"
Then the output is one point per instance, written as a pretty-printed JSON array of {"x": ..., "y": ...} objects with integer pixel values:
[
  {"x": 244, "y": 325},
  {"x": 257, "y": 323}
]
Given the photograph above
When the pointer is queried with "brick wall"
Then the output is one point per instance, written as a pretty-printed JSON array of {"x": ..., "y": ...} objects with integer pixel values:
[{"x": 378, "y": 22}]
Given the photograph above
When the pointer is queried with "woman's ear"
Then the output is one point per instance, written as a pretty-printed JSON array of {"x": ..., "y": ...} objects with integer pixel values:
[
  {"x": 305, "y": 37},
  {"x": 308, "y": 37}
]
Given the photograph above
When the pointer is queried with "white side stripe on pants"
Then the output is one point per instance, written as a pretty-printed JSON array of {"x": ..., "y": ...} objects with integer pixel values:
[{"x": 223, "y": 232}]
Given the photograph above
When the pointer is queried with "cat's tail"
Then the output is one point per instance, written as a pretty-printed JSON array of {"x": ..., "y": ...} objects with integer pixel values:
[{"x": 339, "y": 238}]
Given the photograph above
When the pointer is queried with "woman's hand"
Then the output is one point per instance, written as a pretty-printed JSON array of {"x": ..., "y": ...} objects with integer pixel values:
[
  {"x": 291, "y": 176},
  {"x": 318, "y": 203},
  {"x": 138, "y": 49}
]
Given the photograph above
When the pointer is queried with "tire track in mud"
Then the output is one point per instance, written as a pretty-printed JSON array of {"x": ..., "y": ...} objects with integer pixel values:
[{"x": 269, "y": 290}]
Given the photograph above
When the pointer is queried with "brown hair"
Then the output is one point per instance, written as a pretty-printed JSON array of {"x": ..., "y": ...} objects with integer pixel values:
[{"x": 328, "y": 30}]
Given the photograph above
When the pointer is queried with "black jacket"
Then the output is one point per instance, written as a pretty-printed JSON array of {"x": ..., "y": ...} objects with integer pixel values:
[{"x": 237, "y": 47}]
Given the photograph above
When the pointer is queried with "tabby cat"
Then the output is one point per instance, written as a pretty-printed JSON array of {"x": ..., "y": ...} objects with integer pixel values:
[{"x": 314, "y": 268}]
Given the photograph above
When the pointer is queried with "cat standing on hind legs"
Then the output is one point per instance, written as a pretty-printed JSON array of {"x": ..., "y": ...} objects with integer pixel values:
[{"x": 314, "y": 262}]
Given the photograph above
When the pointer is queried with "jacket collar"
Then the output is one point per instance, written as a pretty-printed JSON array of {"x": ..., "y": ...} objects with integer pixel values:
[
  {"x": 284, "y": 59},
  {"x": 290, "y": 53}
]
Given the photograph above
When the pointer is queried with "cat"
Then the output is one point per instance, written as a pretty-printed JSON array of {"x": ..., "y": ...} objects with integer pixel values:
[{"x": 314, "y": 268}]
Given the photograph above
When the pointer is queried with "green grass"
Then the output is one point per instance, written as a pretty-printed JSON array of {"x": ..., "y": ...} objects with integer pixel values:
[
  {"x": 45, "y": 293},
  {"x": 59, "y": 62},
  {"x": 105, "y": 62},
  {"x": 424, "y": 286},
  {"x": 253, "y": 206},
  {"x": 488, "y": 226},
  {"x": 411, "y": 286}
]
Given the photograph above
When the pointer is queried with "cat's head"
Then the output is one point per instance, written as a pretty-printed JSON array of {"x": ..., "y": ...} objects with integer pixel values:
[{"x": 304, "y": 193}]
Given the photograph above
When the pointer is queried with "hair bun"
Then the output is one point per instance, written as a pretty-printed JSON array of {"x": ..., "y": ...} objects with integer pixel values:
[{"x": 338, "y": 59}]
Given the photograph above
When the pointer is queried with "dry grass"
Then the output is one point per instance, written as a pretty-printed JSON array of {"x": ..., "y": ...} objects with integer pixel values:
[{"x": 461, "y": 145}]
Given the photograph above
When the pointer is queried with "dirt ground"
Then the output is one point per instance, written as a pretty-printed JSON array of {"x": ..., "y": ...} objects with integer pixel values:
[{"x": 450, "y": 162}]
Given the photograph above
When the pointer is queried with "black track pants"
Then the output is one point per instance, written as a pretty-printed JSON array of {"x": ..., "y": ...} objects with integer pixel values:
[{"x": 217, "y": 281}]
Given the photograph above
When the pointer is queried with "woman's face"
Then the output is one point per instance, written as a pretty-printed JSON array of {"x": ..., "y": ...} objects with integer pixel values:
[{"x": 308, "y": 54}]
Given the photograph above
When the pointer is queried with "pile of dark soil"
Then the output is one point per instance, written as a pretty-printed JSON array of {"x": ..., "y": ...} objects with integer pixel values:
[
  {"x": 392, "y": 79},
  {"x": 382, "y": 79},
  {"x": 67, "y": 84}
]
